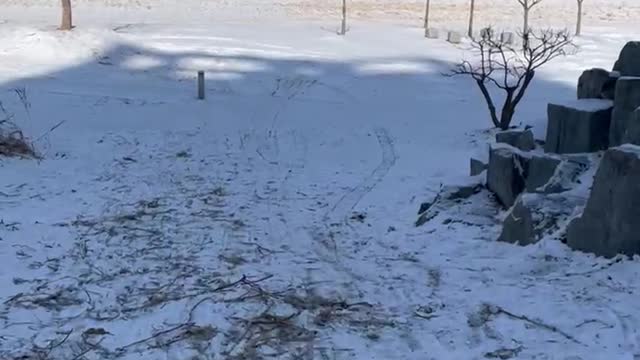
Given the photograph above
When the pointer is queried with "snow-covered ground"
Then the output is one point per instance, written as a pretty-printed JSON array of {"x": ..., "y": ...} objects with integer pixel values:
[{"x": 276, "y": 218}]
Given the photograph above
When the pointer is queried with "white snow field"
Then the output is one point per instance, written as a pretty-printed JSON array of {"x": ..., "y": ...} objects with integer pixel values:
[{"x": 275, "y": 219}]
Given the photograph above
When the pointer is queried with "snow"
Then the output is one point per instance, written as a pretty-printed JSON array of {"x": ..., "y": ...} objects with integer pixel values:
[
  {"x": 588, "y": 105},
  {"x": 277, "y": 216}
]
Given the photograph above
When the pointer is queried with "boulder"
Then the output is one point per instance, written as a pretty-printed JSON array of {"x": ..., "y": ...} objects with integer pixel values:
[
  {"x": 610, "y": 223},
  {"x": 431, "y": 33},
  {"x": 628, "y": 63},
  {"x": 627, "y": 100},
  {"x": 476, "y": 167},
  {"x": 521, "y": 139},
  {"x": 506, "y": 174},
  {"x": 454, "y": 37},
  {"x": 539, "y": 170},
  {"x": 535, "y": 216},
  {"x": 507, "y": 38},
  {"x": 578, "y": 127},
  {"x": 632, "y": 134},
  {"x": 595, "y": 84},
  {"x": 511, "y": 172}
]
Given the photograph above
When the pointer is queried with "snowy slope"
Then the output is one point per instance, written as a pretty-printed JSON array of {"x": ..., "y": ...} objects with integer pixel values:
[{"x": 275, "y": 219}]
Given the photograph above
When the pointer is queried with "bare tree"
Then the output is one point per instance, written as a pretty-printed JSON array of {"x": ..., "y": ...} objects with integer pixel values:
[
  {"x": 67, "y": 20},
  {"x": 471, "y": 11},
  {"x": 579, "y": 22},
  {"x": 343, "y": 26},
  {"x": 427, "y": 7},
  {"x": 527, "y": 5},
  {"x": 511, "y": 68}
]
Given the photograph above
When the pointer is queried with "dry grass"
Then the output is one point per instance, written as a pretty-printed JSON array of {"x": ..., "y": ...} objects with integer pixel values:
[{"x": 13, "y": 143}]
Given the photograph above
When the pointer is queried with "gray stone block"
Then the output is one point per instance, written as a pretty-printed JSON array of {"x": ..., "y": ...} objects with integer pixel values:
[
  {"x": 540, "y": 169},
  {"x": 628, "y": 63},
  {"x": 506, "y": 174},
  {"x": 486, "y": 33},
  {"x": 454, "y": 37},
  {"x": 521, "y": 139},
  {"x": 508, "y": 38},
  {"x": 578, "y": 127},
  {"x": 476, "y": 167},
  {"x": 627, "y": 100},
  {"x": 632, "y": 134},
  {"x": 610, "y": 223},
  {"x": 535, "y": 216},
  {"x": 593, "y": 83},
  {"x": 432, "y": 33}
]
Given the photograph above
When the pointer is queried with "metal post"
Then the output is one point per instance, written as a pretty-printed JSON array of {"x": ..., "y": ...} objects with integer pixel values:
[{"x": 200, "y": 85}]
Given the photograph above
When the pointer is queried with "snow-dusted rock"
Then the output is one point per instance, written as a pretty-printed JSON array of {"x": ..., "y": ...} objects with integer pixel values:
[
  {"x": 506, "y": 173},
  {"x": 627, "y": 100},
  {"x": 521, "y": 139},
  {"x": 578, "y": 127},
  {"x": 476, "y": 167},
  {"x": 535, "y": 216},
  {"x": 507, "y": 38},
  {"x": 628, "y": 63},
  {"x": 432, "y": 33},
  {"x": 539, "y": 170},
  {"x": 632, "y": 134},
  {"x": 597, "y": 84},
  {"x": 454, "y": 37},
  {"x": 610, "y": 223}
]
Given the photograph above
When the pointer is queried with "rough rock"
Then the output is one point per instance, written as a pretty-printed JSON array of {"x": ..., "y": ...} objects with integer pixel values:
[
  {"x": 506, "y": 174},
  {"x": 535, "y": 216},
  {"x": 627, "y": 100},
  {"x": 539, "y": 170},
  {"x": 610, "y": 223},
  {"x": 446, "y": 197},
  {"x": 578, "y": 127},
  {"x": 507, "y": 38},
  {"x": 521, "y": 139},
  {"x": 632, "y": 134},
  {"x": 596, "y": 84},
  {"x": 476, "y": 167},
  {"x": 454, "y": 37},
  {"x": 432, "y": 33},
  {"x": 628, "y": 63}
]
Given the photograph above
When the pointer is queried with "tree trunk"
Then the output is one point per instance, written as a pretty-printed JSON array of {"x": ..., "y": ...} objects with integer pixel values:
[
  {"x": 426, "y": 14},
  {"x": 67, "y": 22},
  {"x": 489, "y": 101},
  {"x": 508, "y": 109},
  {"x": 343, "y": 27},
  {"x": 471, "y": 11},
  {"x": 525, "y": 27},
  {"x": 579, "y": 22}
]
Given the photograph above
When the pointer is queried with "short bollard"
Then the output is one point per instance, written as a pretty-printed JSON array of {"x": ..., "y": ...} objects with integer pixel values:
[{"x": 201, "y": 85}]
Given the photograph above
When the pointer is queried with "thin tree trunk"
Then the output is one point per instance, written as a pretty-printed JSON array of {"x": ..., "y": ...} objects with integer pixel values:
[
  {"x": 525, "y": 27},
  {"x": 343, "y": 27},
  {"x": 471, "y": 11},
  {"x": 426, "y": 14},
  {"x": 579, "y": 22},
  {"x": 67, "y": 20},
  {"x": 507, "y": 111},
  {"x": 490, "y": 105}
]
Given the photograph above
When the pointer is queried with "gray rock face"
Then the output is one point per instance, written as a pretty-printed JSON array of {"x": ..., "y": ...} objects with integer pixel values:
[
  {"x": 610, "y": 223},
  {"x": 628, "y": 63},
  {"x": 540, "y": 169},
  {"x": 432, "y": 33},
  {"x": 454, "y": 37},
  {"x": 632, "y": 135},
  {"x": 593, "y": 84},
  {"x": 578, "y": 127},
  {"x": 507, "y": 38},
  {"x": 627, "y": 100},
  {"x": 506, "y": 174},
  {"x": 476, "y": 167},
  {"x": 535, "y": 216},
  {"x": 521, "y": 139}
]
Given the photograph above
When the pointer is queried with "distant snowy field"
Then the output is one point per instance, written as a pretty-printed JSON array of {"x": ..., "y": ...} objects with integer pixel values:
[{"x": 275, "y": 219}]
